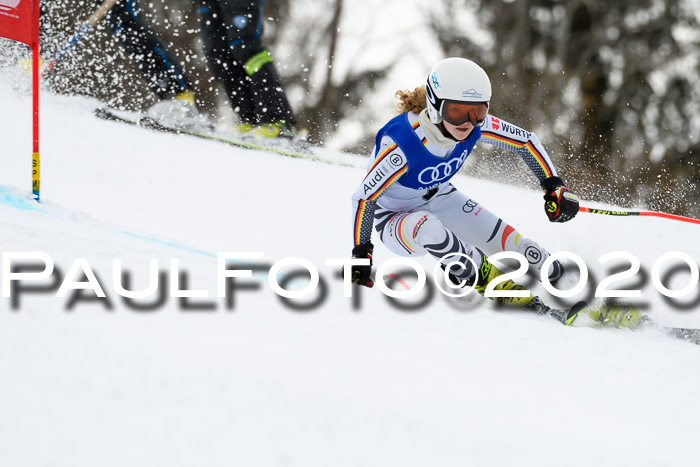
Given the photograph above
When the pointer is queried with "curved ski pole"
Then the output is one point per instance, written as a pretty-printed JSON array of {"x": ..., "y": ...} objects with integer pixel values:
[
  {"x": 82, "y": 30},
  {"x": 639, "y": 213}
]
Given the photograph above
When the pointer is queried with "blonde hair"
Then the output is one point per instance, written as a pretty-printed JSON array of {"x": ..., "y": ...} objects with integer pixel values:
[{"x": 411, "y": 101}]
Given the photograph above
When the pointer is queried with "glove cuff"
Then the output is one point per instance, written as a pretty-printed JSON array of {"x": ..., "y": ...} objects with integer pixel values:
[
  {"x": 551, "y": 184},
  {"x": 363, "y": 250}
]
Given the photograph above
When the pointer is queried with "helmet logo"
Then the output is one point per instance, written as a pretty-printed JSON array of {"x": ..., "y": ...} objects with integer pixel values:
[
  {"x": 473, "y": 93},
  {"x": 436, "y": 84}
]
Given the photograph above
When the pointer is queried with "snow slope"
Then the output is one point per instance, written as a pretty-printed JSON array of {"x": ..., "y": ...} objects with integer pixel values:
[{"x": 266, "y": 385}]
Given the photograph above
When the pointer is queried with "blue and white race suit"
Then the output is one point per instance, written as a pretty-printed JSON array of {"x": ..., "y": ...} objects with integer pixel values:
[{"x": 407, "y": 196}]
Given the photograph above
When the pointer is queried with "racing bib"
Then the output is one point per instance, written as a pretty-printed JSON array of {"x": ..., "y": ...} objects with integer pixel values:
[{"x": 426, "y": 170}]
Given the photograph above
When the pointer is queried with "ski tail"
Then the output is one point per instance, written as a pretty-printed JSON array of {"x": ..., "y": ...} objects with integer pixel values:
[
  {"x": 566, "y": 316},
  {"x": 573, "y": 313}
]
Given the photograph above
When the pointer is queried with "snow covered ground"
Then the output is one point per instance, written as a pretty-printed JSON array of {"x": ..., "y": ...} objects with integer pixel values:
[{"x": 85, "y": 383}]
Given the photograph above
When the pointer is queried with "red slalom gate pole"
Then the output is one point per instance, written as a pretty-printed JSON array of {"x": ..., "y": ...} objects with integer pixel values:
[
  {"x": 639, "y": 213},
  {"x": 36, "y": 160}
]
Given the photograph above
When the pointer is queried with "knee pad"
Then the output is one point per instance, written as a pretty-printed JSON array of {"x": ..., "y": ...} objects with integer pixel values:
[
  {"x": 433, "y": 237},
  {"x": 407, "y": 233},
  {"x": 422, "y": 228}
]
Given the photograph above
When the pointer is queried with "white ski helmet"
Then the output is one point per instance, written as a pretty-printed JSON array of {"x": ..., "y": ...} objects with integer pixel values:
[{"x": 456, "y": 79}]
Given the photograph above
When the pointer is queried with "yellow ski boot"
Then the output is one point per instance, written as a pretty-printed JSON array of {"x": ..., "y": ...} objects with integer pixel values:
[
  {"x": 619, "y": 315},
  {"x": 488, "y": 272}
]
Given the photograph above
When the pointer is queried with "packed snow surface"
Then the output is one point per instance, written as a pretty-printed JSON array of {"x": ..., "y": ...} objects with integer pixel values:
[{"x": 101, "y": 383}]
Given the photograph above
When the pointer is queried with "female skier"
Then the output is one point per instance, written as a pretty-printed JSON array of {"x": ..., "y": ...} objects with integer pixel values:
[{"x": 407, "y": 196}]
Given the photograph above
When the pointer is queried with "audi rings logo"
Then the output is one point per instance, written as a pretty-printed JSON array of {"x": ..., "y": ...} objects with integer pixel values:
[
  {"x": 442, "y": 171},
  {"x": 469, "y": 206}
]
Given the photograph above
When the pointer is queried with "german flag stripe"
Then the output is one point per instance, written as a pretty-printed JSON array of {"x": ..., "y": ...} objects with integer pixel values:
[
  {"x": 539, "y": 158},
  {"x": 362, "y": 205},
  {"x": 402, "y": 238},
  {"x": 388, "y": 182},
  {"x": 424, "y": 141},
  {"x": 382, "y": 156},
  {"x": 519, "y": 144},
  {"x": 415, "y": 124}
]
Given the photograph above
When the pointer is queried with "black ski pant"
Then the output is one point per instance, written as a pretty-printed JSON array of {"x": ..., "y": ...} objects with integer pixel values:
[
  {"x": 232, "y": 35},
  {"x": 162, "y": 72}
]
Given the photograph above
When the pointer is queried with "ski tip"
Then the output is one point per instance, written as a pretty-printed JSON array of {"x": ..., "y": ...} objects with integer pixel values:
[
  {"x": 101, "y": 112},
  {"x": 574, "y": 312},
  {"x": 687, "y": 334}
]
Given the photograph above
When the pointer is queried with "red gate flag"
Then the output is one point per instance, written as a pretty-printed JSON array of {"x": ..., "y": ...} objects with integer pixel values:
[{"x": 19, "y": 20}]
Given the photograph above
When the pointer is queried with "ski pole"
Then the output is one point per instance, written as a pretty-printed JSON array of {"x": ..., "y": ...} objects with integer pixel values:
[
  {"x": 82, "y": 30},
  {"x": 639, "y": 213}
]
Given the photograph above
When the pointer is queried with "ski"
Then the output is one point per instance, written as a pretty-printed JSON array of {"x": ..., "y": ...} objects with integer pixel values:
[
  {"x": 687, "y": 334},
  {"x": 626, "y": 315},
  {"x": 566, "y": 316},
  {"x": 599, "y": 315},
  {"x": 106, "y": 114},
  {"x": 294, "y": 149},
  {"x": 570, "y": 315}
]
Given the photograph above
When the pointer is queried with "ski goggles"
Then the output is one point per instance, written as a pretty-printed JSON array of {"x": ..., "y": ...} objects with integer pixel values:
[{"x": 458, "y": 113}]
